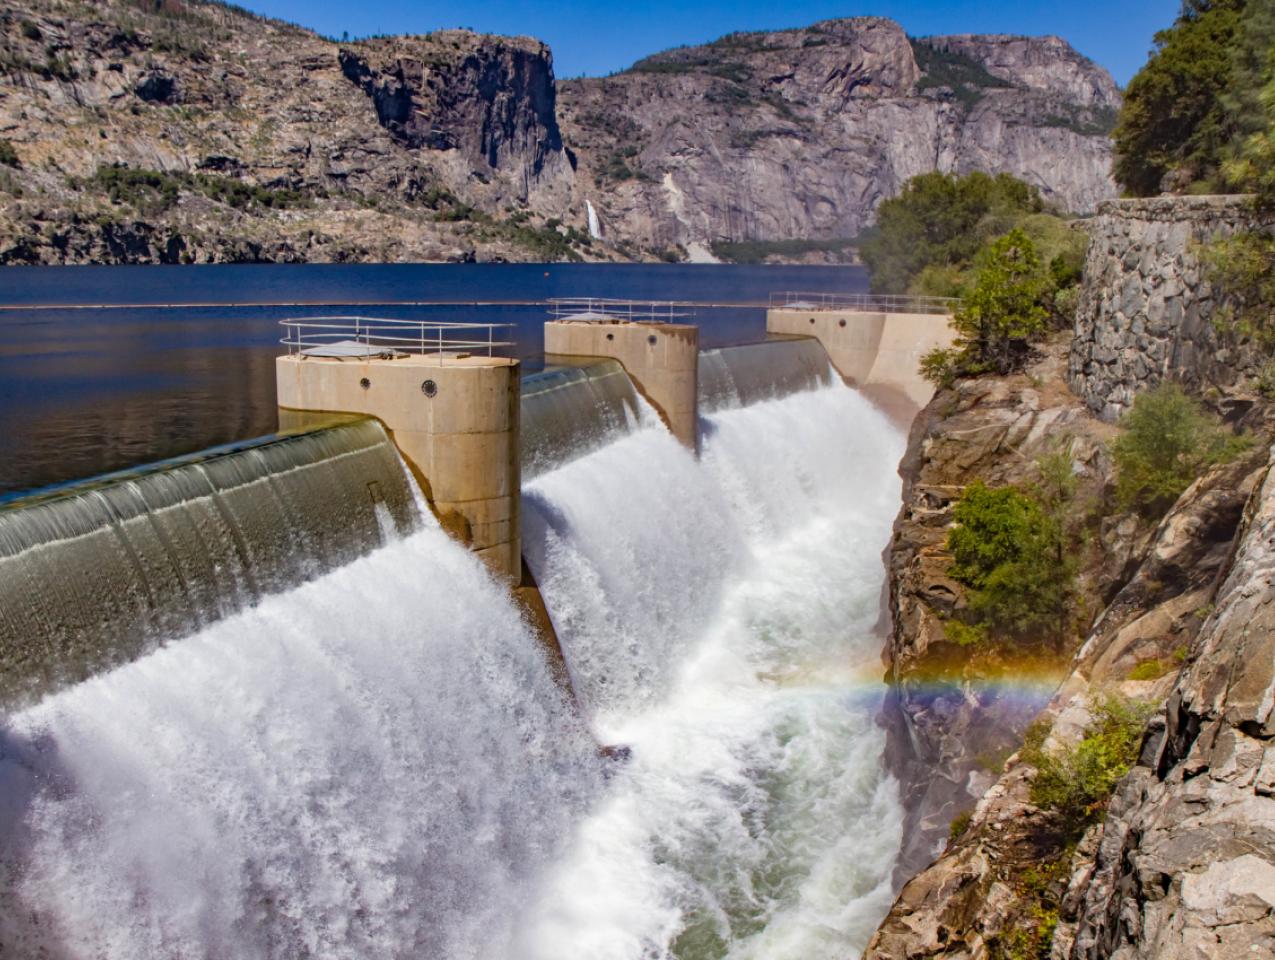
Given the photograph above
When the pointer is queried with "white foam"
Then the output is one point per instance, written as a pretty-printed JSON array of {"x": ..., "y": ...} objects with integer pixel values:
[{"x": 720, "y": 618}]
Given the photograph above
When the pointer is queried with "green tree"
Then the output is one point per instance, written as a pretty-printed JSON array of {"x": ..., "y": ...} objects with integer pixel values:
[
  {"x": 1174, "y": 120},
  {"x": 1005, "y": 309},
  {"x": 1168, "y": 441},
  {"x": 941, "y": 219},
  {"x": 1013, "y": 551},
  {"x": 1251, "y": 164}
]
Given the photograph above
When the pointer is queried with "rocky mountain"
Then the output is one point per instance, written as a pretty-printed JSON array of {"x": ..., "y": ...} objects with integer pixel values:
[
  {"x": 182, "y": 130},
  {"x": 799, "y": 134}
]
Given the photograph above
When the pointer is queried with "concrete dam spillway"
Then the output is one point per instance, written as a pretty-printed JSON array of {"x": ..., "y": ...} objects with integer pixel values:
[{"x": 368, "y": 755}]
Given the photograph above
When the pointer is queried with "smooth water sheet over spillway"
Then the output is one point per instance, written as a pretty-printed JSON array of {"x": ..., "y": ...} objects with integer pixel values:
[
  {"x": 571, "y": 409},
  {"x": 100, "y": 572},
  {"x": 748, "y": 373},
  {"x": 718, "y": 617}
]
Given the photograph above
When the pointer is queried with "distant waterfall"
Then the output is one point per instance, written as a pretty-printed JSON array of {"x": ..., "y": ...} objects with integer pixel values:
[
  {"x": 595, "y": 225},
  {"x": 718, "y": 617}
]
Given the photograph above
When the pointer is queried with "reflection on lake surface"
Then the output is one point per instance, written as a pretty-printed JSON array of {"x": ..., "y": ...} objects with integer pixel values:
[{"x": 102, "y": 368}]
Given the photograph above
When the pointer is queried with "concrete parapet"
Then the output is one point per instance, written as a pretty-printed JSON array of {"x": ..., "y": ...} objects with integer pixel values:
[
  {"x": 878, "y": 352},
  {"x": 454, "y": 418},
  {"x": 662, "y": 360}
]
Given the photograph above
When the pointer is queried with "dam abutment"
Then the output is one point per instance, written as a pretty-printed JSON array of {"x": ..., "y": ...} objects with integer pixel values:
[{"x": 875, "y": 343}]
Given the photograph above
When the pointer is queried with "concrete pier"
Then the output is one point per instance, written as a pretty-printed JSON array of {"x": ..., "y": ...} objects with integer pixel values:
[
  {"x": 877, "y": 351},
  {"x": 662, "y": 360},
  {"x": 454, "y": 418}
]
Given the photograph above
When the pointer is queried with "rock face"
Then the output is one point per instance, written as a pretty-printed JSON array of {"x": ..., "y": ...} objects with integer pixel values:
[
  {"x": 1180, "y": 862},
  {"x": 1147, "y": 310},
  {"x": 949, "y": 724},
  {"x": 1185, "y": 862},
  {"x": 971, "y": 900},
  {"x": 801, "y": 133},
  {"x": 268, "y": 142},
  {"x": 273, "y": 143},
  {"x": 495, "y": 104}
]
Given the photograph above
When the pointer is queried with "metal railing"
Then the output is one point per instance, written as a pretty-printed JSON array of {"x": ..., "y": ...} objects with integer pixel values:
[
  {"x": 604, "y": 309},
  {"x": 386, "y": 337},
  {"x": 868, "y": 302}
]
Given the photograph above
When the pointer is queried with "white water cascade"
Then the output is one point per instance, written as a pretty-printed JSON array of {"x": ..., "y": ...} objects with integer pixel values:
[
  {"x": 718, "y": 618},
  {"x": 378, "y": 763},
  {"x": 372, "y": 765}
]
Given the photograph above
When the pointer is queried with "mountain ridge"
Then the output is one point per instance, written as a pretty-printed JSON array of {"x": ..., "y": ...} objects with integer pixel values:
[{"x": 197, "y": 132}]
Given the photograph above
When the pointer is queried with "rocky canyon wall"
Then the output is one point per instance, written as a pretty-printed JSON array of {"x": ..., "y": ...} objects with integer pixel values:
[{"x": 1180, "y": 862}]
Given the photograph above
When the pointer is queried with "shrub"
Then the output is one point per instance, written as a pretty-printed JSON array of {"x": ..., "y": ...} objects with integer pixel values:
[
  {"x": 8, "y": 156},
  {"x": 1168, "y": 441},
  {"x": 940, "y": 366},
  {"x": 959, "y": 825},
  {"x": 1013, "y": 551},
  {"x": 1243, "y": 268},
  {"x": 1076, "y": 781},
  {"x": 1152, "y": 669}
]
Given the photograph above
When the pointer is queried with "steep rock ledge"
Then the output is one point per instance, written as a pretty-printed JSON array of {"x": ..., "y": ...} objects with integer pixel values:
[
  {"x": 1184, "y": 865},
  {"x": 975, "y": 896},
  {"x": 950, "y": 721}
]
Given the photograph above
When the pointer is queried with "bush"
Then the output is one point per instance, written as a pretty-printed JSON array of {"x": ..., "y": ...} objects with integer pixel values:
[
  {"x": 959, "y": 825},
  {"x": 1152, "y": 669},
  {"x": 1242, "y": 266},
  {"x": 1076, "y": 781},
  {"x": 1012, "y": 550},
  {"x": 8, "y": 156},
  {"x": 1168, "y": 441}
]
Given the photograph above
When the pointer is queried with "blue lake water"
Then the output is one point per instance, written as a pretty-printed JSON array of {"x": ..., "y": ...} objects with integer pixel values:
[{"x": 102, "y": 368}]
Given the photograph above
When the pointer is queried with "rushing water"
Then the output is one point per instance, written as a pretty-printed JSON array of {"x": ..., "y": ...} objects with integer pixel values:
[
  {"x": 377, "y": 763},
  {"x": 718, "y": 618}
]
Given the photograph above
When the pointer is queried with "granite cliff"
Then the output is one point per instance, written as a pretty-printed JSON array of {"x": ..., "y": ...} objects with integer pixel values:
[
  {"x": 193, "y": 132},
  {"x": 799, "y": 134},
  {"x": 185, "y": 131},
  {"x": 1180, "y": 860}
]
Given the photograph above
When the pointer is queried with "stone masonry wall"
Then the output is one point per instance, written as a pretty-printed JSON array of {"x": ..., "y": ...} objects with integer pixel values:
[{"x": 1146, "y": 309}]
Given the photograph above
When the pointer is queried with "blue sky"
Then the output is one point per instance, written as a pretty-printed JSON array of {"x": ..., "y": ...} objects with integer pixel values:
[{"x": 594, "y": 38}]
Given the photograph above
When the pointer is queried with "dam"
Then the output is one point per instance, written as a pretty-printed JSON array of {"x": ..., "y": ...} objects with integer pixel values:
[{"x": 289, "y": 705}]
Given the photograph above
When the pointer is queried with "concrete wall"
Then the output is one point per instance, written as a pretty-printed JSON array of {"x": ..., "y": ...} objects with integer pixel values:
[
  {"x": 662, "y": 360},
  {"x": 1147, "y": 310},
  {"x": 880, "y": 353},
  {"x": 455, "y": 421}
]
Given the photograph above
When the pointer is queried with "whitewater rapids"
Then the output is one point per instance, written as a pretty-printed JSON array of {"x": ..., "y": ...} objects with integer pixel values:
[{"x": 378, "y": 763}]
